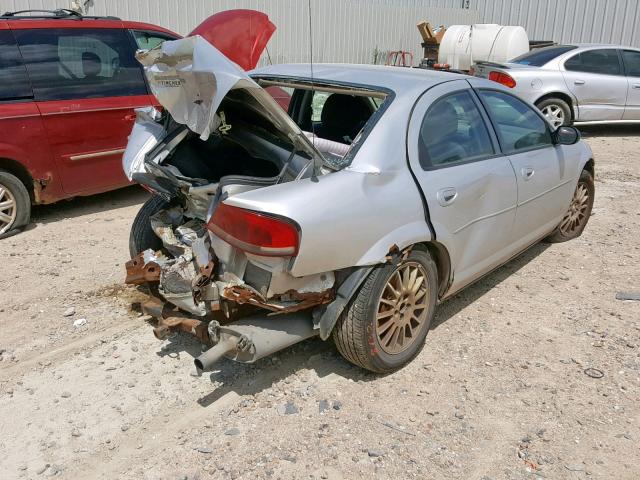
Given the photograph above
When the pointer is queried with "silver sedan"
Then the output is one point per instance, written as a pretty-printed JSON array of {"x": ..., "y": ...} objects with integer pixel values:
[
  {"x": 574, "y": 83},
  {"x": 380, "y": 192}
]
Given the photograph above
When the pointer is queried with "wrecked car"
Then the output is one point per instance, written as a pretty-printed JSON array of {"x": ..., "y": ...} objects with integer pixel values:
[{"x": 377, "y": 195}]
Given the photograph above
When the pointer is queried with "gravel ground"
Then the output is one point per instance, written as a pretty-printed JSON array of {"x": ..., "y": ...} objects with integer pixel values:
[{"x": 499, "y": 392}]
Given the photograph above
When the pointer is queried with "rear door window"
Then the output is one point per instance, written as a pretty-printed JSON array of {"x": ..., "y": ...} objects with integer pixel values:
[
  {"x": 518, "y": 126},
  {"x": 631, "y": 60},
  {"x": 604, "y": 61},
  {"x": 14, "y": 83},
  {"x": 80, "y": 63}
]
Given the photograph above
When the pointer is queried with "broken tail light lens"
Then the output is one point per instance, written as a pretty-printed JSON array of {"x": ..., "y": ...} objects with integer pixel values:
[
  {"x": 255, "y": 232},
  {"x": 503, "y": 79}
]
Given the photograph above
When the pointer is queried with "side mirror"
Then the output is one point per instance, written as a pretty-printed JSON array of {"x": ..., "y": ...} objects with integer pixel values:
[{"x": 566, "y": 136}]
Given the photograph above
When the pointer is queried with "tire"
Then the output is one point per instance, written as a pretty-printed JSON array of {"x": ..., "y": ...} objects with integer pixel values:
[
  {"x": 142, "y": 237},
  {"x": 15, "y": 211},
  {"x": 556, "y": 110},
  {"x": 361, "y": 338},
  {"x": 577, "y": 216}
]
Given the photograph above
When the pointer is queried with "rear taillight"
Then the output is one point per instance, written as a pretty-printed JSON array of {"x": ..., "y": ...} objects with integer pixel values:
[
  {"x": 255, "y": 232},
  {"x": 502, "y": 78}
]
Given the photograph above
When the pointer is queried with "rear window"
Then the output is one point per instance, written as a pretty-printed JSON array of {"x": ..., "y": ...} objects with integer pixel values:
[
  {"x": 14, "y": 83},
  {"x": 542, "y": 56}
]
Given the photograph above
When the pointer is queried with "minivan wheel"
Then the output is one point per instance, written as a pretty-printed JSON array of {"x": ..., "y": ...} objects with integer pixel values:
[
  {"x": 385, "y": 324},
  {"x": 142, "y": 237},
  {"x": 15, "y": 204},
  {"x": 557, "y": 111},
  {"x": 577, "y": 216}
]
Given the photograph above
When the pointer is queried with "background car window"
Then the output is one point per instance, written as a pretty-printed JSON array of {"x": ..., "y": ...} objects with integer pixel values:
[
  {"x": 605, "y": 62},
  {"x": 631, "y": 60},
  {"x": 453, "y": 131},
  {"x": 80, "y": 63},
  {"x": 540, "y": 56},
  {"x": 518, "y": 126},
  {"x": 14, "y": 83},
  {"x": 317, "y": 104},
  {"x": 148, "y": 40}
]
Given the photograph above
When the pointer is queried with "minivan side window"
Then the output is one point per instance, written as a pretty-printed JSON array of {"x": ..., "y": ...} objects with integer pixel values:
[
  {"x": 453, "y": 131},
  {"x": 80, "y": 63},
  {"x": 14, "y": 83},
  {"x": 146, "y": 40},
  {"x": 518, "y": 126},
  {"x": 631, "y": 60},
  {"x": 604, "y": 61}
]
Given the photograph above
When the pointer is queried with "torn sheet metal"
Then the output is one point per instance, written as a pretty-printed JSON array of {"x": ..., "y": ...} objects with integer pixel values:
[
  {"x": 146, "y": 134},
  {"x": 291, "y": 301}
]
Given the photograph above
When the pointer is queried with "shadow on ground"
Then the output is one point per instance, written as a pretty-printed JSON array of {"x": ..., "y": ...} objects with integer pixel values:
[
  {"x": 79, "y": 206},
  {"x": 610, "y": 130},
  {"x": 320, "y": 356}
]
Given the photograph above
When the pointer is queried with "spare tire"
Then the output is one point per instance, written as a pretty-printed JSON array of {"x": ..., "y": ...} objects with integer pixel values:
[{"x": 142, "y": 237}]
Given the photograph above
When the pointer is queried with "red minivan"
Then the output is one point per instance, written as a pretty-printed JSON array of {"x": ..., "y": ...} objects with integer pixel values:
[{"x": 69, "y": 85}]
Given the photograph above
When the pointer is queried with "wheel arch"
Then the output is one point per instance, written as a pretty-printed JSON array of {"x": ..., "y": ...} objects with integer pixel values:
[
  {"x": 441, "y": 257},
  {"x": 590, "y": 167},
  {"x": 562, "y": 96},
  {"x": 20, "y": 171}
]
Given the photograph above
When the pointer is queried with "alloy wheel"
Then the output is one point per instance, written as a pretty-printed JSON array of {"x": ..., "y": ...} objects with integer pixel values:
[
  {"x": 402, "y": 308},
  {"x": 576, "y": 215},
  {"x": 8, "y": 210},
  {"x": 554, "y": 114}
]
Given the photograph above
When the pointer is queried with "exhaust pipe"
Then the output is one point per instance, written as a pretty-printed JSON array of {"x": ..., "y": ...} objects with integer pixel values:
[{"x": 256, "y": 337}]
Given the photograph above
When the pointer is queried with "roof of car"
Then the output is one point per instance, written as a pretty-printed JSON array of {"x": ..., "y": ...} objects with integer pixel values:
[{"x": 393, "y": 78}]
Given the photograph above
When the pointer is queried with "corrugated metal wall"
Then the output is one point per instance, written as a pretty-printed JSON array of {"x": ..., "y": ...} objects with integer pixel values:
[{"x": 343, "y": 30}]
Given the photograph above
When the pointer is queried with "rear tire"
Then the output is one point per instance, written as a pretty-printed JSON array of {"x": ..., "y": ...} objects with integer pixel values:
[
  {"x": 394, "y": 298},
  {"x": 577, "y": 216},
  {"x": 142, "y": 237},
  {"x": 15, "y": 204},
  {"x": 556, "y": 111}
]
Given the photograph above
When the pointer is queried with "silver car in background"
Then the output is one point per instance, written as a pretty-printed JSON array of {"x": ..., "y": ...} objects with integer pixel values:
[
  {"x": 574, "y": 83},
  {"x": 379, "y": 193}
]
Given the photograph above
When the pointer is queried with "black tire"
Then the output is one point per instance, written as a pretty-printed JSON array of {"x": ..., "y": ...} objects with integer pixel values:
[
  {"x": 142, "y": 237},
  {"x": 550, "y": 103},
  {"x": 14, "y": 191},
  {"x": 355, "y": 333},
  {"x": 562, "y": 233}
]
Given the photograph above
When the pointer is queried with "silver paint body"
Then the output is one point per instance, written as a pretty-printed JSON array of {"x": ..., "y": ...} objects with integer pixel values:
[{"x": 594, "y": 97}]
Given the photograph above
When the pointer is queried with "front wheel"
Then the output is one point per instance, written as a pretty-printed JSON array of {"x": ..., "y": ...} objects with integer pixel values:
[
  {"x": 385, "y": 325},
  {"x": 577, "y": 216},
  {"x": 15, "y": 204}
]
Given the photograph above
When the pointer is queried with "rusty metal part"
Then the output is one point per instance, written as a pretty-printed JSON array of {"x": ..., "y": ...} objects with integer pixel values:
[
  {"x": 154, "y": 307},
  {"x": 202, "y": 280},
  {"x": 189, "y": 325},
  {"x": 39, "y": 190},
  {"x": 139, "y": 272},
  {"x": 244, "y": 294}
]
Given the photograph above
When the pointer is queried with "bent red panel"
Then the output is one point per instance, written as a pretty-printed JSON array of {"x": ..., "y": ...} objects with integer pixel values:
[{"x": 241, "y": 35}]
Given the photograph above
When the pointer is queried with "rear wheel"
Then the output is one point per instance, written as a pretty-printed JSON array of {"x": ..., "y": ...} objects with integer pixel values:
[
  {"x": 15, "y": 204},
  {"x": 579, "y": 211},
  {"x": 142, "y": 237},
  {"x": 385, "y": 325},
  {"x": 556, "y": 111}
]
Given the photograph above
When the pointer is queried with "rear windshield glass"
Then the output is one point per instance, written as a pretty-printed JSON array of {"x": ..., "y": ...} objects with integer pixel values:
[{"x": 540, "y": 56}]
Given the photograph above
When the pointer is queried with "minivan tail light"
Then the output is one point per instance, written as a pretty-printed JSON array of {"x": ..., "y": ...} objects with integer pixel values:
[
  {"x": 502, "y": 78},
  {"x": 254, "y": 232}
]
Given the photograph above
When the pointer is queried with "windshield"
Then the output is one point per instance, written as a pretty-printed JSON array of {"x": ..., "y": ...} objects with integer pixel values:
[{"x": 541, "y": 56}]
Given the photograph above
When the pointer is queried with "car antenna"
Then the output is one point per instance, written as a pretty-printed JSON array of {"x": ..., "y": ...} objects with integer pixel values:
[{"x": 311, "y": 67}]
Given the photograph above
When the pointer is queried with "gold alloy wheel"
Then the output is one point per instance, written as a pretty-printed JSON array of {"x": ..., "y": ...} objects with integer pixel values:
[
  {"x": 8, "y": 210},
  {"x": 402, "y": 308},
  {"x": 576, "y": 215}
]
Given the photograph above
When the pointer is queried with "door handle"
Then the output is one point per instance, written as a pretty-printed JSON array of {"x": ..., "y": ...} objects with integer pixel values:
[
  {"x": 635, "y": 85},
  {"x": 527, "y": 173},
  {"x": 578, "y": 82},
  {"x": 447, "y": 196}
]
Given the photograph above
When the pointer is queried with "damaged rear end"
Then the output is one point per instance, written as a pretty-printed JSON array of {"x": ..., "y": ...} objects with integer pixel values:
[{"x": 223, "y": 272}]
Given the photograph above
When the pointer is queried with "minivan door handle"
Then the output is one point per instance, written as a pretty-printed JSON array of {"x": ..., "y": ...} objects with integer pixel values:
[
  {"x": 447, "y": 196},
  {"x": 635, "y": 85},
  {"x": 578, "y": 82},
  {"x": 527, "y": 173}
]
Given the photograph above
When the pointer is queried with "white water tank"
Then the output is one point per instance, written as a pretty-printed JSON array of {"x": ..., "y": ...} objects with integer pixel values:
[{"x": 463, "y": 45}]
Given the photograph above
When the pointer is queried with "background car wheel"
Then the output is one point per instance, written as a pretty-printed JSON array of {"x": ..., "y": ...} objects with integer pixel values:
[
  {"x": 385, "y": 325},
  {"x": 577, "y": 216},
  {"x": 557, "y": 111},
  {"x": 15, "y": 204},
  {"x": 141, "y": 236}
]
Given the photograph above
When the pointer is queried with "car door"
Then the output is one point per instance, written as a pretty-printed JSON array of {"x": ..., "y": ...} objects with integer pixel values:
[
  {"x": 545, "y": 172},
  {"x": 631, "y": 60},
  {"x": 86, "y": 83},
  {"x": 596, "y": 79},
  {"x": 470, "y": 188}
]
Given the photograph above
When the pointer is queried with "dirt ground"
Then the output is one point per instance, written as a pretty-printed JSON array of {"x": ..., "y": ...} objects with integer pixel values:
[{"x": 499, "y": 392}]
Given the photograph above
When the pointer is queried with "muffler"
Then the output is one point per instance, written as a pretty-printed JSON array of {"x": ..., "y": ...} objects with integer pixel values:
[{"x": 256, "y": 337}]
